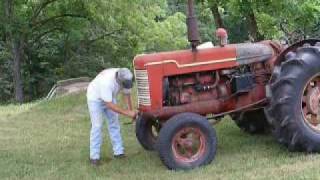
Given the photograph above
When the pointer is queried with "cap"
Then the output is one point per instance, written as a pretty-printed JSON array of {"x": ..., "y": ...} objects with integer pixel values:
[
  {"x": 125, "y": 77},
  {"x": 124, "y": 74}
]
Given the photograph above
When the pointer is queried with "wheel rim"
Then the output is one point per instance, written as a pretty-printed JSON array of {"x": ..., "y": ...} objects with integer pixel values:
[
  {"x": 154, "y": 129},
  {"x": 188, "y": 145},
  {"x": 310, "y": 103}
]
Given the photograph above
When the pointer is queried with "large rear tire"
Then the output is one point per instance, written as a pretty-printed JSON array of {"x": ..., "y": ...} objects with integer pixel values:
[
  {"x": 187, "y": 141},
  {"x": 253, "y": 122},
  {"x": 294, "y": 104}
]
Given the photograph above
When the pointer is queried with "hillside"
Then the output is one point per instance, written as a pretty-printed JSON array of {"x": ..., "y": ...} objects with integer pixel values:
[{"x": 49, "y": 140}]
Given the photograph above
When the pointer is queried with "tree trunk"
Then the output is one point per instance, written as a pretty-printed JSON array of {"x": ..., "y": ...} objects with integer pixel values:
[
  {"x": 217, "y": 17},
  {"x": 16, "y": 44},
  {"x": 17, "y": 53},
  {"x": 253, "y": 26}
]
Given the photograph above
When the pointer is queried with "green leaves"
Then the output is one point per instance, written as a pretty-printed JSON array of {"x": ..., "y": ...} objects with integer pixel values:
[{"x": 64, "y": 39}]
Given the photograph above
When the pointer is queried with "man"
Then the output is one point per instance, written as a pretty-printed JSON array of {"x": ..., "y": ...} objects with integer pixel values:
[{"x": 101, "y": 98}]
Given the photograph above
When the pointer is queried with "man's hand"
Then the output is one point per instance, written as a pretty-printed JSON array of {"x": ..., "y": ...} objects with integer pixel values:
[
  {"x": 132, "y": 114},
  {"x": 116, "y": 108}
]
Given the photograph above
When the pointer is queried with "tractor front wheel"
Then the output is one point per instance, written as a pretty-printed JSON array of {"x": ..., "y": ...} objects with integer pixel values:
[
  {"x": 186, "y": 141},
  {"x": 147, "y": 132}
]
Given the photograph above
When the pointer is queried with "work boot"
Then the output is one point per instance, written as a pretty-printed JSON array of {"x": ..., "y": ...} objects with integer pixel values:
[
  {"x": 120, "y": 156},
  {"x": 95, "y": 162}
]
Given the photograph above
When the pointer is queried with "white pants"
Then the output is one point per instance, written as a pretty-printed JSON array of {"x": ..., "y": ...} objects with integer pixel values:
[{"x": 97, "y": 110}]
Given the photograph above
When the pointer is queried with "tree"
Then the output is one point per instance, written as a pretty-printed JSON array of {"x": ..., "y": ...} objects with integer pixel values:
[
  {"x": 46, "y": 40},
  {"x": 214, "y": 6},
  {"x": 25, "y": 23}
]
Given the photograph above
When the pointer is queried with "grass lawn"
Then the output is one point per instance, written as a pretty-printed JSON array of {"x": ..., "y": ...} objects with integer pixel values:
[{"x": 49, "y": 140}]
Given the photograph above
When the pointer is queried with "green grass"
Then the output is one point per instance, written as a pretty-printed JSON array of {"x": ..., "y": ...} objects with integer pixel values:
[{"x": 49, "y": 140}]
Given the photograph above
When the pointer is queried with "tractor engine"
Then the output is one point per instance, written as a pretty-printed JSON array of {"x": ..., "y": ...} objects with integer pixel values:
[
  {"x": 219, "y": 84},
  {"x": 193, "y": 87}
]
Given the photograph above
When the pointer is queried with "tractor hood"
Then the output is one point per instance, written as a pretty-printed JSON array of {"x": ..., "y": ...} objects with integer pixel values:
[{"x": 221, "y": 57}]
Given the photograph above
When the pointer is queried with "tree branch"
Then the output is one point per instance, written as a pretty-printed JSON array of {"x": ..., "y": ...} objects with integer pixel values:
[
  {"x": 45, "y": 33},
  {"x": 103, "y": 36},
  {"x": 45, "y": 21},
  {"x": 40, "y": 8}
]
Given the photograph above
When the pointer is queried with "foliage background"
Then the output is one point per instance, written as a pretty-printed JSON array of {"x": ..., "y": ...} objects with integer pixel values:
[{"x": 42, "y": 41}]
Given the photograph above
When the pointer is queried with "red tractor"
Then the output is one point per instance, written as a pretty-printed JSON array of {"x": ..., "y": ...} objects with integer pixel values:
[{"x": 263, "y": 86}]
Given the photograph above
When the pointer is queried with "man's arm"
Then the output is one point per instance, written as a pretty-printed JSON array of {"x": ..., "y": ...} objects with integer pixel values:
[
  {"x": 127, "y": 99},
  {"x": 119, "y": 110}
]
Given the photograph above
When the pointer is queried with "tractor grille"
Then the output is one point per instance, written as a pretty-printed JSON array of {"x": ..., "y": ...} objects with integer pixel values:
[{"x": 143, "y": 87}]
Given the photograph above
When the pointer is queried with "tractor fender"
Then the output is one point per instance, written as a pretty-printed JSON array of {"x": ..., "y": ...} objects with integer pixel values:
[{"x": 293, "y": 47}]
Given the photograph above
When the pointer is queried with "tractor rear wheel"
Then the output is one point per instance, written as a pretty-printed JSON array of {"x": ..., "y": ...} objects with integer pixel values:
[
  {"x": 187, "y": 141},
  {"x": 147, "y": 132},
  {"x": 253, "y": 122},
  {"x": 294, "y": 104}
]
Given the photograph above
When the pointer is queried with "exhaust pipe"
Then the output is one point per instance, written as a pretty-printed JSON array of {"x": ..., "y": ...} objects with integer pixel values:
[{"x": 193, "y": 32}]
